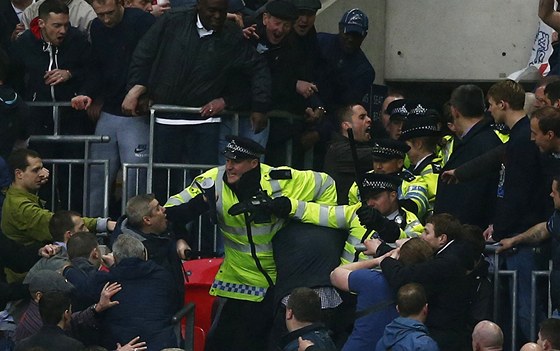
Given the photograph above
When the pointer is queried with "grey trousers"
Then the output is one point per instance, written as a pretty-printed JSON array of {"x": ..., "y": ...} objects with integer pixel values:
[{"x": 129, "y": 144}]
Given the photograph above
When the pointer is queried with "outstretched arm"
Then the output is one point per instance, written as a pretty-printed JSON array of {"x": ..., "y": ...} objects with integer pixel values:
[{"x": 548, "y": 14}]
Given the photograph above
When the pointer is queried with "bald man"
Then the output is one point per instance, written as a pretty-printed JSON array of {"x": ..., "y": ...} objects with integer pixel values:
[
  {"x": 531, "y": 346},
  {"x": 487, "y": 336}
]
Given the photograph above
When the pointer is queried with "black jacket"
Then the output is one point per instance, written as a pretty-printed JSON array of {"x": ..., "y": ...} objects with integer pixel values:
[
  {"x": 477, "y": 196},
  {"x": 35, "y": 57},
  {"x": 447, "y": 286},
  {"x": 50, "y": 338},
  {"x": 180, "y": 68},
  {"x": 146, "y": 304}
]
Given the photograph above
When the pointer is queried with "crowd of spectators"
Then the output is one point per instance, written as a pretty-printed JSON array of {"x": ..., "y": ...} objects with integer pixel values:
[{"x": 381, "y": 246}]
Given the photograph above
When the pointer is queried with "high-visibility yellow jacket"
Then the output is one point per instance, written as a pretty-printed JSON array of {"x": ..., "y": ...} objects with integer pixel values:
[
  {"x": 344, "y": 217},
  {"x": 412, "y": 188},
  {"x": 239, "y": 277}
]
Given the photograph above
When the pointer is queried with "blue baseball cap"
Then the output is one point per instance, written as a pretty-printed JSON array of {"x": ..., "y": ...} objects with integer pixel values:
[{"x": 354, "y": 21}]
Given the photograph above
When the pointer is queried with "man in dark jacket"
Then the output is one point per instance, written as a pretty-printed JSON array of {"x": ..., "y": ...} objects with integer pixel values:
[
  {"x": 53, "y": 56},
  {"x": 445, "y": 279},
  {"x": 475, "y": 136},
  {"x": 303, "y": 320},
  {"x": 55, "y": 310},
  {"x": 185, "y": 59},
  {"x": 146, "y": 221},
  {"x": 146, "y": 301},
  {"x": 114, "y": 35}
]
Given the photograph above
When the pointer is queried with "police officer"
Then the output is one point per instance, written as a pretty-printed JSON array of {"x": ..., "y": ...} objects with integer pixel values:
[
  {"x": 388, "y": 158},
  {"x": 247, "y": 275},
  {"x": 378, "y": 216},
  {"x": 420, "y": 132}
]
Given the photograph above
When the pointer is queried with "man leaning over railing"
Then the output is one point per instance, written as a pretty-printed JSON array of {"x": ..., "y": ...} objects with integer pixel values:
[{"x": 185, "y": 59}]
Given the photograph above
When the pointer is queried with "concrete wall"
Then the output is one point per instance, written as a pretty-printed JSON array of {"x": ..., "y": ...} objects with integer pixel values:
[{"x": 442, "y": 40}]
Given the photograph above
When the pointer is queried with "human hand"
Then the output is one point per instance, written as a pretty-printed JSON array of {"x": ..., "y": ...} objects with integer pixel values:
[
  {"x": 81, "y": 102},
  {"x": 160, "y": 9},
  {"x": 182, "y": 249},
  {"x": 313, "y": 115},
  {"x": 111, "y": 225},
  {"x": 213, "y": 108},
  {"x": 396, "y": 253},
  {"x": 251, "y": 32},
  {"x": 237, "y": 18},
  {"x": 505, "y": 244},
  {"x": 109, "y": 290},
  {"x": 49, "y": 250},
  {"x": 108, "y": 260},
  {"x": 44, "y": 175},
  {"x": 488, "y": 233},
  {"x": 368, "y": 216},
  {"x": 304, "y": 344},
  {"x": 133, "y": 345},
  {"x": 306, "y": 89},
  {"x": 130, "y": 102},
  {"x": 449, "y": 177},
  {"x": 280, "y": 207},
  {"x": 259, "y": 121},
  {"x": 19, "y": 28},
  {"x": 57, "y": 76},
  {"x": 94, "y": 110}
]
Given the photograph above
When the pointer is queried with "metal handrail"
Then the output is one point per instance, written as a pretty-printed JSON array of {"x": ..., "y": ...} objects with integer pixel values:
[{"x": 55, "y": 106}]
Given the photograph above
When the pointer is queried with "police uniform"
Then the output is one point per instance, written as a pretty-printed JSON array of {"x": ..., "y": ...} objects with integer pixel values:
[
  {"x": 422, "y": 122},
  {"x": 345, "y": 217},
  {"x": 413, "y": 192},
  {"x": 248, "y": 271}
]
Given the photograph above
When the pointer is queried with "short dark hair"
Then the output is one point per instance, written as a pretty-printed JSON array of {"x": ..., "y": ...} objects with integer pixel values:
[
  {"x": 552, "y": 91},
  {"x": 548, "y": 118},
  {"x": 344, "y": 114},
  {"x": 550, "y": 330},
  {"x": 411, "y": 299},
  {"x": 138, "y": 207},
  {"x": 414, "y": 251},
  {"x": 54, "y": 6},
  {"x": 510, "y": 91},
  {"x": 305, "y": 304},
  {"x": 61, "y": 222},
  {"x": 52, "y": 306},
  {"x": 474, "y": 236},
  {"x": 18, "y": 159},
  {"x": 444, "y": 223},
  {"x": 81, "y": 244},
  {"x": 468, "y": 99}
]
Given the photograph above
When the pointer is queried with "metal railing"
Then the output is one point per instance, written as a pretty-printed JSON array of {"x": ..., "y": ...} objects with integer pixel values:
[
  {"x": 512, "y": 275},
  {"x": 55, "y": 111},
  {"x": 87, "y": 140}
]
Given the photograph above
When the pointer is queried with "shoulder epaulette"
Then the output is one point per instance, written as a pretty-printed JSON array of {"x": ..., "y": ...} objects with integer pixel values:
[{"x": 406, "y": 175}]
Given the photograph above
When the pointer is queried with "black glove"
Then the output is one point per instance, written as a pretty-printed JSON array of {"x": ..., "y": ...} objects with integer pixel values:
[
  {"x": 368, "y": 216},
  {"x": 373, "y": 220},
  {"x": 280, "y": 207}
]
